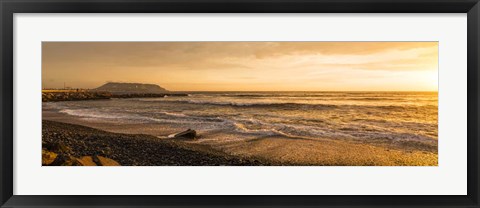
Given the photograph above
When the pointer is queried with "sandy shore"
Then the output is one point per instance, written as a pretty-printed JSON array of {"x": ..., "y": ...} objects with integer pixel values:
[
  {"x": 136, "y": 149},
  {"x": 265, "y": 150}
]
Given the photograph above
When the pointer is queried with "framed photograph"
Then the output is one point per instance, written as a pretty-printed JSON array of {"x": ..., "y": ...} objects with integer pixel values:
[{"x": 242, "y": 103}]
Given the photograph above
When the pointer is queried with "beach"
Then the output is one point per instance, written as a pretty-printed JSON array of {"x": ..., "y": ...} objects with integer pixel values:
[
  {"x": 280, "y": 103},
  {"x": 134, "y": 149},
  {"x": 302, "y": 129},
  {"x": 147, "y": 150}
]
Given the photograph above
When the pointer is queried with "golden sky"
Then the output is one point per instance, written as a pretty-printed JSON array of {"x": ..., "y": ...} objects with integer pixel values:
[{"x": 245, "y": 66}]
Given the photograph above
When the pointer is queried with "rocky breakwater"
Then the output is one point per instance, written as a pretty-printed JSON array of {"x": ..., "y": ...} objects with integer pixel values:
[
  {"x": 53, "y": 96},
  {"x": 107, "y": 91},
  {"x": 96, "y": 95}
]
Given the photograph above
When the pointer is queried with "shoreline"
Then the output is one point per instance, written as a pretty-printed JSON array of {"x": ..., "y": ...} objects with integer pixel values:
[
  {"x": 148, "y": 150},
  {"x": 136, "y": 149},
  {"x": 268, "y": 150}
]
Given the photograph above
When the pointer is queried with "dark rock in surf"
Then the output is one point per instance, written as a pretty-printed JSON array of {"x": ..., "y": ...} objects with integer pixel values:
[{"x": 188, "y": 134}]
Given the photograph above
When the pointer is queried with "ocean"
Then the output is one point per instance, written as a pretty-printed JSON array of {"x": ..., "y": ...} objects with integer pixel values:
[{"x": 367, "y": 117}]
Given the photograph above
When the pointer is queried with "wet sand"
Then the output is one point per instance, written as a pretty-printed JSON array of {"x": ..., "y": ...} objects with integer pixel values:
[
  {"x": 269, "y": 150},
  {"x": 135, "y": 149}
]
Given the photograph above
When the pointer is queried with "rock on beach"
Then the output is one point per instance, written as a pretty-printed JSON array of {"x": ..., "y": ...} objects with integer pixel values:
[
  {"x": 188, "y": 134},
  {"x": 86, "y": 146}
]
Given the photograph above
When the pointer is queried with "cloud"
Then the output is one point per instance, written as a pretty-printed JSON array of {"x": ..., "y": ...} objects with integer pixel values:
[
  {"x": 91, "y": 63},
  {"x": 197, "y": 53}
]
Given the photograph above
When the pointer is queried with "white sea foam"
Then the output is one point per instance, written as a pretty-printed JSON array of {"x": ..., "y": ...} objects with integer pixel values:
[
  {"x": 174, "y": 114},
  {"x": 385, "y": 116}
]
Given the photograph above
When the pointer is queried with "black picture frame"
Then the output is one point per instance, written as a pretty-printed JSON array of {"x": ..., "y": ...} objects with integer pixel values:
[{"x": 9, "y": 7}]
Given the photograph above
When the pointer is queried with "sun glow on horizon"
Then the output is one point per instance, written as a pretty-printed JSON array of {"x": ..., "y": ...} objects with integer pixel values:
[{"x": 245, "y": 66}]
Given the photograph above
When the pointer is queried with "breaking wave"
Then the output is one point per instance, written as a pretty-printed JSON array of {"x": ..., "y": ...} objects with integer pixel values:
[{"x": 383, "y": 117}]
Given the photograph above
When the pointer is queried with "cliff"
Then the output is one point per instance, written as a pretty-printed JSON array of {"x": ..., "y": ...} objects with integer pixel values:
[{"x": 130, "y": 88}]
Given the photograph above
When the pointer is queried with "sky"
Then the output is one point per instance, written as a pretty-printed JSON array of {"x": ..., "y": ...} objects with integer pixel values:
[{"x": 244, "y": 66}]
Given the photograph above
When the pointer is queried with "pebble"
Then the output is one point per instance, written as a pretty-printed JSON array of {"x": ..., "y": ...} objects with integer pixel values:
[{"x": 129, "y": 150}]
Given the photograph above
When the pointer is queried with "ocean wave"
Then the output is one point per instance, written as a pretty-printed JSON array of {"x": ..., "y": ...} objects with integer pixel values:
[
  {"x": 330, "y": 98},
  {"x": 249, "y": 104},
  {"x": 316, "y": 97},
  {"x": 263, "y": 128},
  {"x": 173, "y": 114},
  {"x": 294, "y": 105},
  {"x": 319, "y": 94},
  {"x": 132, "y": 118},
  {"x": 260, "y": 128},
  {"x": 92, "y": 113}
]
